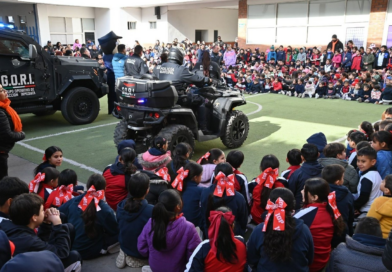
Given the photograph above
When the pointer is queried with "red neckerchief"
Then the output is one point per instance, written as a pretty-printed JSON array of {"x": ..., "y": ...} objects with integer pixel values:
[
  {"x": 62, "y": 195},
  {"x": 224, "y": 184},
  {"x": 292, "y": 169},
  {"x": 178, "y": 182},
  {"x": 278, "y": 209},
  {"x": 332, "y": 203},
  {"x": 213, "y": 231},
  {"x": 177, "y": 216},
  {"x": 91, "y": 194}
]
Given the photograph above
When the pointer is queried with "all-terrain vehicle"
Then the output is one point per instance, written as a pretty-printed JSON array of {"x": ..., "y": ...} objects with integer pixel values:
[
  {"x": 153, "y": 108},
  {"x": 39, "y": 83}
]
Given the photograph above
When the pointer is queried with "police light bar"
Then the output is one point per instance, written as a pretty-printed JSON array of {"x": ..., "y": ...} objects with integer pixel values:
[{"x": 9, "y": 26}]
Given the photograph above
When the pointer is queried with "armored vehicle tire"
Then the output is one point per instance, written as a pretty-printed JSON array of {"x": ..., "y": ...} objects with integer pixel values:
[
  {"x": 176, "y": 134},
  {"x": 122, "y": 132},
  {"x": 45, "y": 113},
  {"x": 236, "y": 130},
  {"x": 80, "y": 106}
]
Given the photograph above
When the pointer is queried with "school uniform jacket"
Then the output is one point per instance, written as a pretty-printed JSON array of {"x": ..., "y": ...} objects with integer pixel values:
[
  {"x": 131, "y": 225},
  {"x": 242, "y": 187},
  {"x": 236, "y": 203},
  {"x": 202, "y": 260},
  {"x": 105, "y": 225},
  {"x": 191, "y": 202},
  {"x": 368, "y": 189},
  {"x": 301, "y": 253},
  {"x": 116, "y": 184}
]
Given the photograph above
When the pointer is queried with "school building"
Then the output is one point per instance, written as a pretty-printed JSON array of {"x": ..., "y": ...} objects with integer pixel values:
[{"x": 256, "y": 23}]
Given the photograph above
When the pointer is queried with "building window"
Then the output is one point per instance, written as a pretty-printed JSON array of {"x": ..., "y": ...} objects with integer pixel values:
[
  {"x": 131, "y": 25},
  {"x": 153, "y": 25}
]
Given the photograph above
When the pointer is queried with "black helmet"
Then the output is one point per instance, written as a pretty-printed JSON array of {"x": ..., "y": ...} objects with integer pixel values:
[{"x": 176, "y": 55}]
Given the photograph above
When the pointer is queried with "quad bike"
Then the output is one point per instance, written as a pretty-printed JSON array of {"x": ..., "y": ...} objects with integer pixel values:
[{"x": 151, "y": 108}]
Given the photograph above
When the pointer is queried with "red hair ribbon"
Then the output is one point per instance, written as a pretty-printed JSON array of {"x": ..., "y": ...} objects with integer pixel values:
[
  {"x": 89, "y": 196},
  {"x": 34, "y": 184},
  {"x": 268, "y": 177},
  {"x": 205, "y": 156},
  {"x": 278, "y": 209},
  {"x": 213, "y": 230},
  {"x": 164, "y": 174},
  {"x": 44, "y": 158},
  {"x": 63, "y": 195},
  {"x": 178, "y": 182},
  {"x": 332, "y": 203},
  {"x": 224, "y": 183}
]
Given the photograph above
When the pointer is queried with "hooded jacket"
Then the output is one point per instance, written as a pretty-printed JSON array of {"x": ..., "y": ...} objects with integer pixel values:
[
  {"x": 157, "y": 186},
  {"x": 105, "y": 225},
  {"x": 116, "y": 184},
  {"x": 191, "y": 202},
  {"x": 7, "y": 134},
  {"x": 301, "y": 252},
  {"x": 297, "y": 180},
  {"x": 360, "y": 253},
  {"x": 351, "y": 177},
  {"x": 384, "y": 163},
  {"x": 131, "y": 225},
  {"x": 301, "y": 57},
  {"x": 208, "y": 173},
  {"x": 118, "y": 64},
  {"x": 236, "y": 203},
  {"x": 319, "y": 140},
  {"x": 387, "y": 93},
  {"x": 345, "y": 204},
  {"x": 181, "y": 240},
  {"x": 230, "y": 57},
  {"x": 128, "y": 143},
  {"x": 346, "y": 59},
  {"x": 369, "y": 59},
  {"x": 153, "y": 159},
  {"x": 381, "y": 209},
  {"x": 41, "y": 261}
]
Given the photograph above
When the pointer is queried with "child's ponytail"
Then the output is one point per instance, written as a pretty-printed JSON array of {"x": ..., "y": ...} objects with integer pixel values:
[
  {"x": 210, "y": 156},
  {"x": 271, "y": 163},
  {"x": 137, "y": 187},
  {"x": 163, "y": 212},
  {"x": 128, "y": 156}
]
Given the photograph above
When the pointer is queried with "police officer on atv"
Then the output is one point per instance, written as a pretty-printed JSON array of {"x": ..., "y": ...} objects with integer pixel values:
[
  {"x": 174, "y": 71},
  {"x": 135, "y": 65}
]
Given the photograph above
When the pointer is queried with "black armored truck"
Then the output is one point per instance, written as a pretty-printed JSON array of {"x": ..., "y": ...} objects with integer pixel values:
[{"x": 40, "y": 83}]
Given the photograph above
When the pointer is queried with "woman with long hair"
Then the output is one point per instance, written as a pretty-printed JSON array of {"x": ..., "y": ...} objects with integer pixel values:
[
  {"x": 223, "y": 251},
  {"x": 10, "y": 130},
  {"x": 281, "y": 242},
  {"x": 207, "y": 67},
  {"x": 53, "y": 157}
]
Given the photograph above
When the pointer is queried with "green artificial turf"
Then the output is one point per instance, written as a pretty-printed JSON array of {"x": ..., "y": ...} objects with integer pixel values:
[{"x": 282, "y": 124}]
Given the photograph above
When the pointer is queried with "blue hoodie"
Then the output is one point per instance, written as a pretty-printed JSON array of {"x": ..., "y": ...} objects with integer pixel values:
[
  {"x": 236, "y": 203},
  {"x": 131, "y": 225},
  {"x": 281, "y": 55},
  {"x": 297, "y": 180},
  {"x": 118, "y": 64},
  {"x": 41, "y": 261},
  {"x": 319, "y": 140},
  {"x": 384, "y": 163},
  {"x": 191, "y": 202},
  {"x": 301, "y": 252}
]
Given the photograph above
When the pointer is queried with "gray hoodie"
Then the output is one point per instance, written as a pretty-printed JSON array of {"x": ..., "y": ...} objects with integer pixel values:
[
  {"x": 301, "y": 57},
  {"x": 351, "y": 178}
]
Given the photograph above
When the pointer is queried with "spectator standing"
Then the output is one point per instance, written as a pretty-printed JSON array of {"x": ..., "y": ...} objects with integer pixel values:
[
  {"x": 119, "y": 60},
  {"x": 229, "y": 56},
  {"x": 216, "y": 55},
  {"x": 335, "y": 44},
  {"x": 382, "y": 58},
  {"x": 10, "y": 130},
  {"x": 90, "y": 44},
  {"x": 76, "y": 44},
  {"x": 368, "y": 60}
]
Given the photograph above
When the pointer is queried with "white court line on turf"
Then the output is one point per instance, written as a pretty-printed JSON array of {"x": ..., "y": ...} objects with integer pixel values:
[
  {"x": 259, "y": 108},
  {"x": 67, "y": 132},
  {"x": 75, "y": 163}
]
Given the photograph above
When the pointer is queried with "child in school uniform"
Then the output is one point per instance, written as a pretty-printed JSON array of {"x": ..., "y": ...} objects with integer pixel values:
[
  {"x": 235, "y": 158},
  {"x": 262, "y": 186},
  {"x": 321, "y": 90},
  {"x": 168, "y": 239},
  {"x": 375, "y": 95},
  {"x": 181, "y": 156},
  {"x": 10, "y": 187},
  {"x": 53, "y": 158},
  {"x": 44, "y": 183},
  {"x": 294, "y": 159},
  {"x": 209, "y": 161},
  {"x": 222, "y": 193},
  {"x": 355, "y": 138},
  {"x": 369, "y": 182},
  {"x": 132, "y": 215},
  {"x": 382, "y": 143},
  {"x": 157, "y": 156},
  {"x": 96, "y": 229},
  {"x": 223, "y": 251},
  {"x": 381, "y": 208},
  {"x": 186, "y": 183}
]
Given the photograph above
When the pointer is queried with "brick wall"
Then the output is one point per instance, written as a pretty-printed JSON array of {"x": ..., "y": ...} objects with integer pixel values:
[{"x": 378, "y": 13}]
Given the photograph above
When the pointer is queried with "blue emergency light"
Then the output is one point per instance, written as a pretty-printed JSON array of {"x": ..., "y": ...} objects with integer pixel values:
[
  {"x": 141, "y": 101},
  {"x": 4, "y": 25}
]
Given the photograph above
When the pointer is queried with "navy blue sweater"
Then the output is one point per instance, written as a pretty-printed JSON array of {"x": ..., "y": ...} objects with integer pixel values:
[
  {"x": 301, "y": 252},
  {"x": 299, "y": 88},
  {"x": 5, "y": 249},
  {"x": 236, "y": 203},
  {"x": 281, "y": 56},
  {"x": 191, "y": 202},
  {"x": 34, "y": 261},
  {"x": 387, "y": 93},
  {"x": 297, "y": 180},
  {"x": 131, "y": 225},
  {"x": 105, "y": 225}
]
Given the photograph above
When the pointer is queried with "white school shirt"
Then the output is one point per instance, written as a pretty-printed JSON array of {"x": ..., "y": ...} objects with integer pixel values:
[{"x": 376, "y": 179}]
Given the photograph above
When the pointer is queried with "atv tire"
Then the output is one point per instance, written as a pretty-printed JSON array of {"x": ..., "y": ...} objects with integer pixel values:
[
  {"x": 176, "y": 134},
  {"x": 122, "y": 132},
  {"x": 236, "y": 130},
  {"x": 80, "y": 106}
]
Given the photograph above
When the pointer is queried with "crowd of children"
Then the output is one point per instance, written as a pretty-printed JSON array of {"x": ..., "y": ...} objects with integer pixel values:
[{"x": 331, "y": 209}]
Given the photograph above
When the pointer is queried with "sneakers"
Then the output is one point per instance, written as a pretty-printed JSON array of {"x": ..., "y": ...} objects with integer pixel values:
[
  {"x": 146, "y": 268},
  {"x": 295, "y": 94},
  {"x": 367, "y": 101},
  {"x": 317, "y": 96},
  {"x": 359, "y": 100},
  {"x": 325, "y": 97},
  {"x": 114, "y": 248},
  {"x": 348, "y": 99},
  {"x": 123, "y": 260},
  {"x": 303, "y": 95},
  {"x": 120, "y": 260},
  {"x": 283, "y": 92}
]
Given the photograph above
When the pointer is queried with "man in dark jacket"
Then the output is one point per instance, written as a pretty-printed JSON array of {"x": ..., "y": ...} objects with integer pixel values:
[
  {"x": 363, "y": 251},
  {"x": 335, "y": 44},
  {"x": 135, "y": 65},
  {"x": 382, "y": 58},
  {"x": 216, "y": 55},
  {"x": 309, "y": 169},
  {"x": 281, "y": 55}
]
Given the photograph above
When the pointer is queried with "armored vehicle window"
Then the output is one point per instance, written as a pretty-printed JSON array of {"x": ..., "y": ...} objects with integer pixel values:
[{"x": 12, "y": 47}]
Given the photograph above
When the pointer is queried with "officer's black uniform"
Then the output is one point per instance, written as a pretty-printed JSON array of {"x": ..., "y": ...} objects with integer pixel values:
[
  {"x": 178, "y": 75},
  {"x": 216, "y": 58},
  {"x": 135, "y": 66},
  {"x": 214, "y": 69}
]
